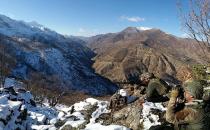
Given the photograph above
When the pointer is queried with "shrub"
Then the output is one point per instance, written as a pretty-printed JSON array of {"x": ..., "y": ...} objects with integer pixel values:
[
  {"x": 59, "y": 123},
  {"x": 199, "y": 72}
]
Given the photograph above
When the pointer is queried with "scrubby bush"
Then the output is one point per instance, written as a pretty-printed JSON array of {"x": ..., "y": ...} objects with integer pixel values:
[
  {"x": 45, "y": 88},
  {"x": 69, "y": 127},
  {"x": 59, "y": 123},
  {"x": 199, "y": 72},
  {"x": 6, "y": 63}
]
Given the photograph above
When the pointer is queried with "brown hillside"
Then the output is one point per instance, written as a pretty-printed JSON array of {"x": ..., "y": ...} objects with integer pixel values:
[{"x": 125, "y": 55}]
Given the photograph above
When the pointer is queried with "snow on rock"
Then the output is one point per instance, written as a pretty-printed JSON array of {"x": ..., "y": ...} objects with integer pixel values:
[
  {"x": 98, "y": 126},
  {"x": 3, "y": 99},
  {"x": 74, "y": 123},
  {"x": 7, "y": 107},
  {"x": 207, "y": 88},
  {"x": 37, "y": 116},
  {"x": 61, "y": 115},
  {"x": 92, "y": 125},
  {"x": 17, "y": 112},
  {"x": 20, "y": 113},
  {"x": 150, "y": 119},
  {"x": 102, "y": 108},
  {"x": 122, "y": 92},
  {"x": 14, "y": 104},
  {"x": 81, "y": 105},
  {"x": 43, "y": 127},
  {"x": 53, "y": 121},
  {"x": 27, "y": 96},
  {"x": 92, "y": 101},
  {"x": 208, "y": 70},
  {"x": 11, "y": 82}
]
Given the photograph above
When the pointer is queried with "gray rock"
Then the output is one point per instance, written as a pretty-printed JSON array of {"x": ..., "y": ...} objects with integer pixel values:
[{"x": 129, "y": 116}]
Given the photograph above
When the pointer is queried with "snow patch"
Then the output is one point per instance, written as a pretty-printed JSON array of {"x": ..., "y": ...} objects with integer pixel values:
[
  {"x": 150, "y": 119},
  {"x": 122, "y": 92},
  {"x": 143, "y": 28},
  {"x": 11, "y": 82},
  {"x": 98, "y": 126}
]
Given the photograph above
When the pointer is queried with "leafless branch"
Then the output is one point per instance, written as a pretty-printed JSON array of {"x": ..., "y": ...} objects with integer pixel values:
[{"x": 195, "y": 22}]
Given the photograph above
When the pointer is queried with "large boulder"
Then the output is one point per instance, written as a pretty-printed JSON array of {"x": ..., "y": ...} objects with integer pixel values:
[
  {"x": 117, "y": 102},
  {"x": 130, "y": 116}
]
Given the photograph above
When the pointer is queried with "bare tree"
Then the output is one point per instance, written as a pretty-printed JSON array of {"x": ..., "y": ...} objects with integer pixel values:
[
  {"x": 4, "y": 70},
  {"x": 36, "y": 85},
  {"x": 45, "y": 88},
  {"x": 1, "y": 63},
  {"x": 57, "y": 91},
  {"x": 54, "y": 99},
  {"x": 7, "y": 62},
  {"x": 195, "y": 22}
]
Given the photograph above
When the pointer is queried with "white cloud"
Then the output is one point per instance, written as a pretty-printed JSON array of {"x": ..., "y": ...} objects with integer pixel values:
[{"x": 132, "y": 19}]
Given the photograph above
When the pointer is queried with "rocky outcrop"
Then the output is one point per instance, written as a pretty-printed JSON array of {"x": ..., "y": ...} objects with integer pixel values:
[
  {"x": 130, "y": 116},
  {"x": 19, "y": 111},
  {"x": 126, "y": 110},
  {"x": 137, "y": 114}
]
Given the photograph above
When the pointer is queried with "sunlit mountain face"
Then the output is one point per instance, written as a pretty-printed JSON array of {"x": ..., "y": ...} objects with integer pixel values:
[{"x": 34, "y": 48}]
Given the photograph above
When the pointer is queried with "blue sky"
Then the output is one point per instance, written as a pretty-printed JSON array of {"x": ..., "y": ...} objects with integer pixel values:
[{"x": 90, "y": 17}]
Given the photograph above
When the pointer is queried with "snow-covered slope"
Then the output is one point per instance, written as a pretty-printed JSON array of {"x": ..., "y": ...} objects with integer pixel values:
[
  {"x": 12, "y": 27},
  {"x": 36, "y": 48},
  {"x": 19, "y": 111}
]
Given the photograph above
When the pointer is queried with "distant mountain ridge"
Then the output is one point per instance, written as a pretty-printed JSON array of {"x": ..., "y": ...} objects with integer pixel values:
[
  {"x": 89, "y": 64},
  {"x": 123, "y": 56},
  {"x": 35, "y": 48}
]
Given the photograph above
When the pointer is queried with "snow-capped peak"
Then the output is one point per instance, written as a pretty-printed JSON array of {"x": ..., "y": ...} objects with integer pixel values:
[
  {"x": 34, "y": 24},
  {"x": 11, "y": 27},
  {"x": 136, "y": 29},
  {"x": 143, "y": 28}
]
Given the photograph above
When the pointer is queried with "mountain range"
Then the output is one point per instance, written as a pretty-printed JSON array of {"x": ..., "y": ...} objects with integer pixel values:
[
  {"x": 32, "y": 48},
  {"x": 93, "y": 65},
  {"x": 124, "y": 56}
]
